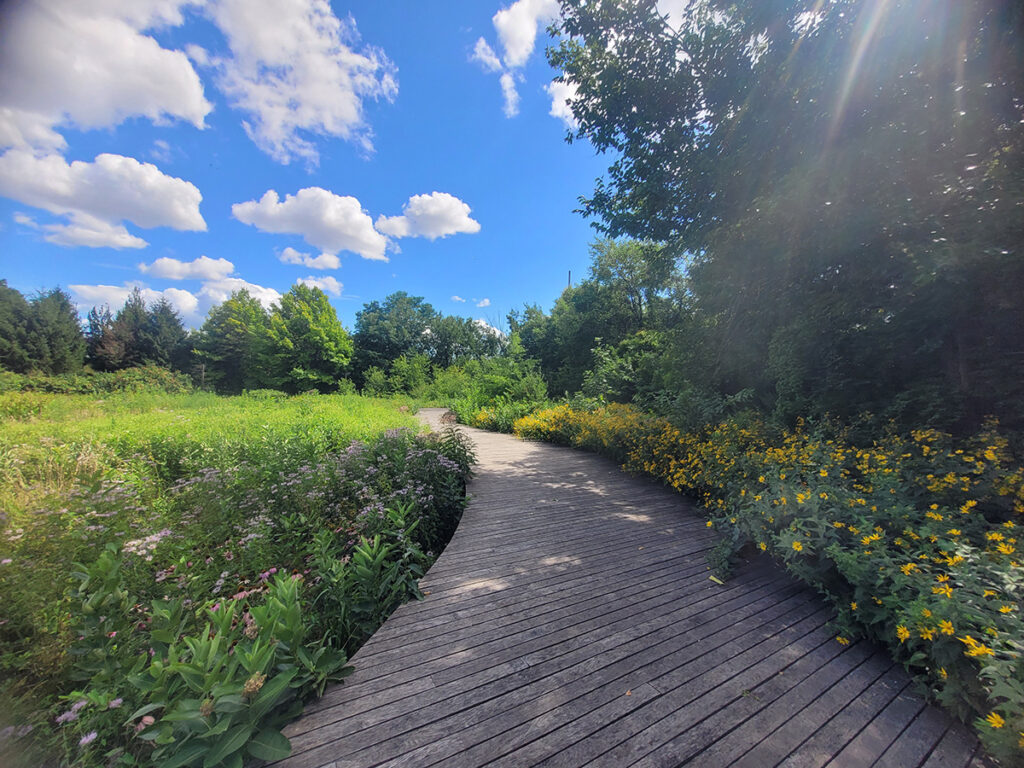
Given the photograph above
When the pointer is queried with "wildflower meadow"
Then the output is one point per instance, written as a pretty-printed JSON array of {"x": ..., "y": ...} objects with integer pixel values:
[{"x": 179, "y": 572}]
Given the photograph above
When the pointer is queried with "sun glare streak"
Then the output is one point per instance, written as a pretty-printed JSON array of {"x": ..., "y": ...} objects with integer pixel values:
[
  {"x": 808, "y": 29},
  {"x": 867, "y": 34}
]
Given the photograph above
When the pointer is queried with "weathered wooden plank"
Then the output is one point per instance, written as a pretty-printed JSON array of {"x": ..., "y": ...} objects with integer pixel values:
[
  {"x": 571, "y": 622},
  {"x": 699, "y": 687},
  {"x": 518, "y": 718},
  {"x": 829, "y": 740},
  {"x": 877, "y": 736},
  {"x": 608, "y": 654},
  {"x": 740, "y": 709},
  {"x": 695, "y": 609},
  {"x": 786, "y": 740},
  {"x": 787, "y": 703},
  {"x": 918, "y": 739},
  {"x": 520, "y": 602},
  {"x": 956, "y": 750}
]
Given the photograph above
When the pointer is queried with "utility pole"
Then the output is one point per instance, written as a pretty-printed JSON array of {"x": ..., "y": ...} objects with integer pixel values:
[{"x": 570, "y": 279}]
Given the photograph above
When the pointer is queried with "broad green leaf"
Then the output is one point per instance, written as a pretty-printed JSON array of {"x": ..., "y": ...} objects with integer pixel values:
[
  {"x": 269, "y": 695},
  {"x": 189, "y": 753},
  {"x": 229, "y": 743},
  {"x": 269, "y": 744},
  {"x": 230, "y": 703}
]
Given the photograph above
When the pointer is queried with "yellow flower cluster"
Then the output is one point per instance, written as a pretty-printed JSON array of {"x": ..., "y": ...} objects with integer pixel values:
[{"x": 940, "y": 524}]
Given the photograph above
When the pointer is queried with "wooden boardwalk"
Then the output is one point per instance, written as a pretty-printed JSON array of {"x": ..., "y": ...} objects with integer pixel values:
[{"x": 571, "y": 622}]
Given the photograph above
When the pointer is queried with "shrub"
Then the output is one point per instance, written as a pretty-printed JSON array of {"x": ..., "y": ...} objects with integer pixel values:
[
  {"x": 499, "y": 416},
  {"x": 148, "y": 378},
  {"x": 203, "y": 688}
]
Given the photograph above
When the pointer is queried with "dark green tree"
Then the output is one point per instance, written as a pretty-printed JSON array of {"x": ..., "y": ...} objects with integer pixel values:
[
  {"x": 228, "y": 345},
  {"x": 43, "y": 334},
  {"x": 305, "y": 345},
  {"x": 842, "y": 179},
  {"x": 450, "y": 340},
  {"x": 386, "y": 331},
  {"x": 14, "y": 347},
  {"x": 641, "y": 275},
  {"x": 123, "y": 343},
  {"x": 163, "y": 338},
  {"x": 55, "y": 339},
  {"x": 97, "y": 325}
]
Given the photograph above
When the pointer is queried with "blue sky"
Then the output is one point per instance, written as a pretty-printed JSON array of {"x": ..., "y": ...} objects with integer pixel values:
[{"x": 192, "y": 148}]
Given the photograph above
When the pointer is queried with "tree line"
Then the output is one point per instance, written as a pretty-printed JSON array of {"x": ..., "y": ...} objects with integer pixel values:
[{"x": 296, "y": 345}]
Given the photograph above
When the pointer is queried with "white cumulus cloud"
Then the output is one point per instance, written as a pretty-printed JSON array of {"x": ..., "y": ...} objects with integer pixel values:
[
  {"x": 325, "y": 284},
  {"x": 90, "y": 232},
  {"x": 484, "y": 303},
  {"x": 203, "y": 268},
  {"x": 486, "y": 327},
  {"x": 325, "y": 220},
  {"x": 96, "y": 197},
  {"x": 560, "y": 94},
  {"x": 115, "y": 296},
  {"x": 517, "y": 27},
  {"x": 459, "y": 299},
  {"x": 297, "y": 70},
  {"x": 485, "y": 56},
  {"x": 509, "y": 94},
  {"x": 431, "y": 216},
  {"x": 193, "y": 306},
  {"x": 82, "y": 229},
  {"x": 215, "y": 292},
  {"x": 324, "y": 261},
  {"x": 90, "y": 65}
]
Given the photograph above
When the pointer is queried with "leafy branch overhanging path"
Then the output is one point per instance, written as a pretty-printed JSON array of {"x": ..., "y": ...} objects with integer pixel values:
[{"x": 571, "y": 622}]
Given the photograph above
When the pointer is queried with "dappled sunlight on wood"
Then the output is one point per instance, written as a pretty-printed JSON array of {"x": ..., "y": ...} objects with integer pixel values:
[{"x": 583, "y": 630}]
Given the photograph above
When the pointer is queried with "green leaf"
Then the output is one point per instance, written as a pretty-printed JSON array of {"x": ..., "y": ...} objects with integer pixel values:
[
  {"x": 186, "y": 709},
  {"x": 190, "y": 752},
  {"x": 229, "y": 703},
  {"x": 217, "y": 729},
  {"x": 269, "y": 695},
  {"x": 269, "y": 744},
  {"x": 231, "y": 742}
]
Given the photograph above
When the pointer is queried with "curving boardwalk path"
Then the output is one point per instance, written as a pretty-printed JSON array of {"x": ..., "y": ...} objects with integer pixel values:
[{"x": 571, "y": 622}]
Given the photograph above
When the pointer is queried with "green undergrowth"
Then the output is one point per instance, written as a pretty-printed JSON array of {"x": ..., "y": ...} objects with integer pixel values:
[{"x": 179, "y": 572}]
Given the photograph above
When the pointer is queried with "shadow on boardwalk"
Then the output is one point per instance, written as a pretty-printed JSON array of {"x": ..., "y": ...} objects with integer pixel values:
[{"x": 571, "y": 622}]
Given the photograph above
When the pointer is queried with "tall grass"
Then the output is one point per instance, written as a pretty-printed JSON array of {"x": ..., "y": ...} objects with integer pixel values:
[{"x": 187, "y": 498}]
